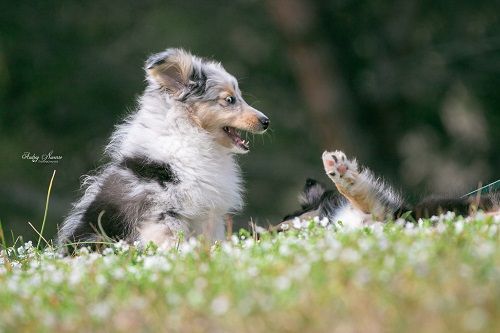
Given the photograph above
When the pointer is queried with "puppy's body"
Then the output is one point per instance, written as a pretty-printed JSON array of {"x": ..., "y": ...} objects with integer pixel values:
[
  {"x": 362, "y": 198},
  {"x": 172, "y": 168}
]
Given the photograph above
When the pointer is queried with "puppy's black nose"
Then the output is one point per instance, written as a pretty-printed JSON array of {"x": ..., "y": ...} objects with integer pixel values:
[{"x": 265, "y": 122}]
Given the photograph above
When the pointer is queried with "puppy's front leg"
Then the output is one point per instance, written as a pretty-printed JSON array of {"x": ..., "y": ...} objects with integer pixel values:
[{"x": 363, "y": 191}]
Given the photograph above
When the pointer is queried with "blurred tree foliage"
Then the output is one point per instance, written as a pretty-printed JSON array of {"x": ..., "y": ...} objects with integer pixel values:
[{"x": 410, "y": 87}]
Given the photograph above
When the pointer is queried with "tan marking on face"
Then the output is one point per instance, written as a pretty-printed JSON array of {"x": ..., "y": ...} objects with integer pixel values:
[
  {"x": 247, "y": 120},
  {"x": 226, "y": 92},
  {"x": 212, "y": 117}
]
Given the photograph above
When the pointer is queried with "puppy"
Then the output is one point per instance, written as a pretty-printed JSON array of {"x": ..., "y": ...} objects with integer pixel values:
[
  {"x": 172, "y": 168},
  {"x": 362, "y": 198}
]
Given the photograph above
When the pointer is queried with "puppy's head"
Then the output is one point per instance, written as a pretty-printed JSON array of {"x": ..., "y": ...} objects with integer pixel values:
[{"x": 210, "y": 94}]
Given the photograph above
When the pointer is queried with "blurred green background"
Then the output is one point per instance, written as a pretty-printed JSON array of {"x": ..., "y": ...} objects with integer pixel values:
[{"x": 409, "y": 87}]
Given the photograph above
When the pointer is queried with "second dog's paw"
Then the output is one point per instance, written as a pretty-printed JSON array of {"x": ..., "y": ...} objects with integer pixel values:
[{"x": 342, "y": 171}]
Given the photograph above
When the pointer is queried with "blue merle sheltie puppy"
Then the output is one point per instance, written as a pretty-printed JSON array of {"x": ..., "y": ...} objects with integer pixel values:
[
  {"x": 362, "y": 198},
  {"x": 172, "y": 166}
]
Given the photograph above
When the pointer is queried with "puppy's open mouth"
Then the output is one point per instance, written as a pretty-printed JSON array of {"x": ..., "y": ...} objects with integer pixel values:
[{"x": 234, "y": 135}]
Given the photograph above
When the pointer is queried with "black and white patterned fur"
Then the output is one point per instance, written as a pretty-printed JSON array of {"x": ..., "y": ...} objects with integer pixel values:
[{"x": 172, "y": 167}]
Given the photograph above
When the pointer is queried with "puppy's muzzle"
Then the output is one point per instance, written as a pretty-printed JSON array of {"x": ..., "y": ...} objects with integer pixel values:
[{"x": 253, "y": 120}]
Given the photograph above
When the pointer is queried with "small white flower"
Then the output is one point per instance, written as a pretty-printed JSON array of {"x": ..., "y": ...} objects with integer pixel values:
[
  {"x": 400, "y": 222},
  {"x": 389, "y": 262},
  {"x": 362, "y": 277},
  {"x": 248, "y": 243},
  {"x": 36, "y": 280},
  {"x": 18, "y": 310},
  {"x": 34, "y": 264},
  {"x": 459, "y": 227},
  {"x": 200, "y": 283},
  {"x": 49, "y": 319},
  {"x": 173, "y": 298},
  {"x": 203, "y": 268},
  {"x": 330, "y": 255},
  {"x": 266, "y": 246},
  {"x": 440, "y": 227},
  {"x": 195, "y": 297},
  {"x": 100, "y": 310},
  {"x": 364, "y": 245},
  {"x": 383, "y": 244},
  {"x": 284, "y": 250},
  {"x": 57, "y": 277},
  {"x": 377, "y": 228},
  {"x": 284, "y": 226},
  {"x": 118, "y": 273},
  {"x": 121, "y": 246},
  {"x": 227, "y": 248},
  {"x": 449, "y": 215},
  {"x": 234, "y": 239},
  {"x": 220, "y": 305},
  {"x": 252, "y": 271},
  {"x": 349, "y": 255},
  {"x": 300, "y": 271},
  {"x": 296, "y": 223},
  {"x": 480, "y": 216},
  {"x": 108, "y": 251},
  {"x": 83, "y": 251},
  {"x": 485, "y": 249},
  {"x": 475, "y": 319},
  {"x": 283, "y": 282},
  {"x": 75, "y": 277},
  {"x": 156, "y": 263},
  {"x": 493, "y": 230}
]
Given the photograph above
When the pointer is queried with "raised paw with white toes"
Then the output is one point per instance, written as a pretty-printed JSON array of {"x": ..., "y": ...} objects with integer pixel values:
[{"x": 342, "y": 171}]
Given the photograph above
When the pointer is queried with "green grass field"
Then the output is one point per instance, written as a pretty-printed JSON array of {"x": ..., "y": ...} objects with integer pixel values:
[{"x": 431, "y": 276}]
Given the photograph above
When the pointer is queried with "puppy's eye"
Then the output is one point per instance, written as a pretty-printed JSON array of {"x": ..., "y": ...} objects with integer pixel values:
[{"x": 230, "y": 99}]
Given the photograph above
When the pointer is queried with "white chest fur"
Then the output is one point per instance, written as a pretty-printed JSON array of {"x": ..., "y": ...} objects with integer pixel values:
[{"x": 209, "y": 178}]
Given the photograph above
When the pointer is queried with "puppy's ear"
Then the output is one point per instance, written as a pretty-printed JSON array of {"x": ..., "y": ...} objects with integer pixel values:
[
  {"x": 311, "y": 195},
  {"x": 170, "y": 69}
]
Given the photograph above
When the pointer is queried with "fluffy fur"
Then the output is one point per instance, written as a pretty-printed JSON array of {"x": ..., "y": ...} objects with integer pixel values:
[
  {"x": 362, "y": 198},
  {"x": 172, "y": 167}
]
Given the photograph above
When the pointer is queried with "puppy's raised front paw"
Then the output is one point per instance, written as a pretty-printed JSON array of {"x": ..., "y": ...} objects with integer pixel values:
[{"x": 342, "y": 171}]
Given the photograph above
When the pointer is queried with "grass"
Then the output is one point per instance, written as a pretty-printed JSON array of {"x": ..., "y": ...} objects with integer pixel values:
[
  {"x": 45, "y": 211},
  {"x": 431, "y": 276}
]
